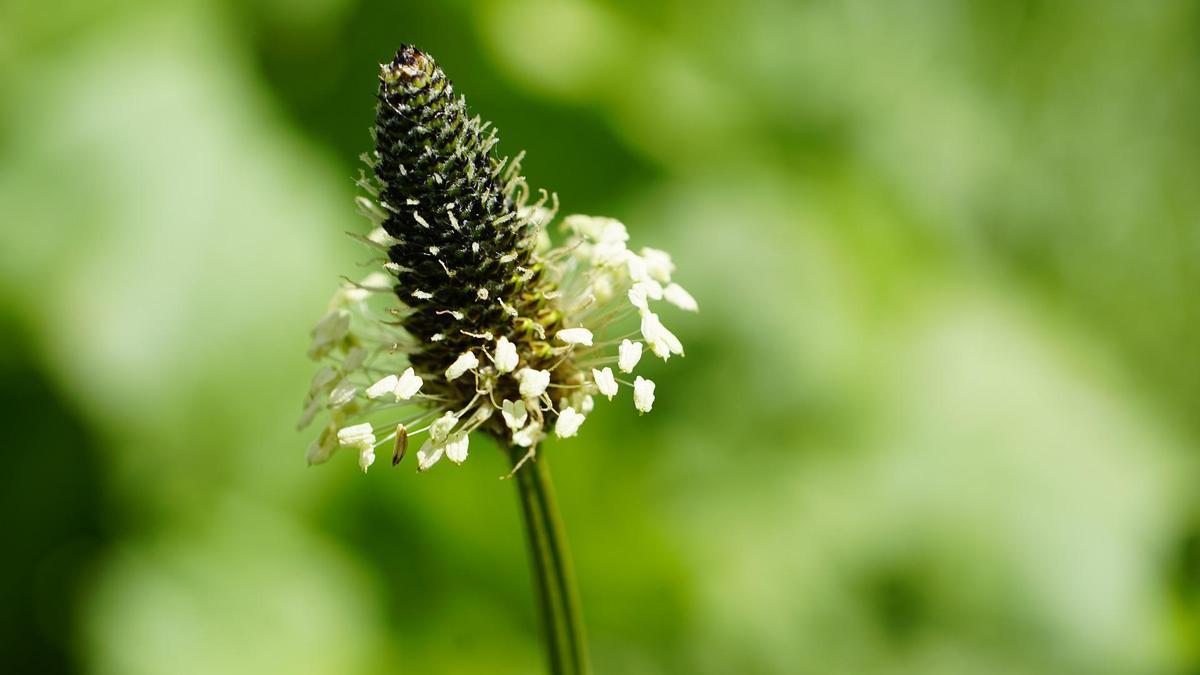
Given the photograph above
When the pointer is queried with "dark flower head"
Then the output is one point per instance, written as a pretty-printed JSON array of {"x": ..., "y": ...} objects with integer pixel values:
[{"x": 490, "y": 318}]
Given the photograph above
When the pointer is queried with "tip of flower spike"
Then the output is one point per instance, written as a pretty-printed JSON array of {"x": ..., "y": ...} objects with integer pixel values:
[
  {"x": 408, "y": 64},
  {"x": 408, "y": 56}
]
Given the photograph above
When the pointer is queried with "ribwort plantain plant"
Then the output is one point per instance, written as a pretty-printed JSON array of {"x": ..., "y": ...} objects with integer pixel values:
[{"x": 476, "y": 322}]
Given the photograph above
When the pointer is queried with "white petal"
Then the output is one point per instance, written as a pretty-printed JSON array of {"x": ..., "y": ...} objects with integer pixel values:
[
  {"x": 568, "y": 423},
  {"x": 611, "y": 231},
  {"x": 651, "y": 288},
  {"x": 575, "y": 336},
  {"x": 636, "y": 267},
  {"x": 598, "y": 228},
  {"x": 329, "y": 330},
  {"x": 662, "y": 341},
  {"x": 310, "y": 411},
  {"x": 456, "y": 447},
  {"x": 658, "y": 264},
  {"x": 321, "y": 449},
  {"x": 637, "y": 296},
  {"x": 354, "y": 359},
  {"x": 358, "y": 436},
  {"x": 586, "y": 404},
  {"x": 366, "y": 457},
  {"x": 385, "y": 386},
  {"x": 506, "y": 355},
  {"x": 608, "y": 254},
  {"x": 514, "y": 414},
  {"x": 528, "y": 436},
  {"x": 381, "y": 237},
  {"x": 675, "y": 295},
  {"x": 323, "y": 377},
  {"x": 629, "y": 353},
  {"x": 581, "y": 224},
  {"x": 533, "y": 382},
  {"x": 377, "y": 281},
  {"x": 408, "y": 385},
  {"x": 643, "y": 394},
  {"x": 429, "y": 454},
  {"x": 342, "y": 394},
  {"x": 440, "y": 429},
  {"x": 354, "y": 295},
  {"x": 602, "y": 286},
  {"x": 465, "y": 361},
  {"x": 605, "y": 382}
]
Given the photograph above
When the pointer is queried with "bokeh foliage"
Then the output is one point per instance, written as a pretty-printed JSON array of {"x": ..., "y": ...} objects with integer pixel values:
[{"x": 938, "y": 413}]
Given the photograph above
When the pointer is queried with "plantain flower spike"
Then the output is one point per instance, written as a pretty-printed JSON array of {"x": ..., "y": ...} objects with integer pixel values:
[{"x": 472, "y": 311}]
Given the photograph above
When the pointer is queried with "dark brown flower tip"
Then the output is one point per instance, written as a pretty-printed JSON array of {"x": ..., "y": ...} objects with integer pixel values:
[{"x": 408, "y": 65}]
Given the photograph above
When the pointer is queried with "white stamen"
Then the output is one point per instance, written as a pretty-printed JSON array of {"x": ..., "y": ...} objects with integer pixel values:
[
  {"x": 652, "y": 289},
  {"x": 662, "y": 341},
  {"x": 429, "y": 454},
  {"x": 533, "y": 382},
  {"x": 643, "y": 394},
  {"x": 506, "y": 355},
  {"x": 386, "y": 385},
  {"x": 329, "y": 330},
  {"x": 605, "y": 382},
  {"x": 441, "y": 428},
  {"x": 310, "y": 411},
  {"x": 357, "y": 436},
  {"x": 568, "y": 423},
  {"x": 342, "y": 394},
  {"x": 321, "y": 449},
  {"x": 528, "y": 436},
  {"x": 456, "y": 447},
  {"x": 366, "y": 457},
  {"x": 465, "y": 361},
  {"x": 354, "y": 359},
  {"x": 628, "y": 355},
  {"x": 324, "y": 377},
  {"x": 575, "y": 336},
  {"x": 514, "y": 414},
  {"x": 637, "y": 297},
  {"x": 658, "y": 264},
  {"x": 381, "y": 237},
  {"x": 675, "y": 295},
  {"x": 636, "y": 267},
  {"x": 407, "y": 385}
]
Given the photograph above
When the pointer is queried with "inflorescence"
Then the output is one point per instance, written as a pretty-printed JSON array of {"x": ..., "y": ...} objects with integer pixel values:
[{"x": 496, "y": 329}]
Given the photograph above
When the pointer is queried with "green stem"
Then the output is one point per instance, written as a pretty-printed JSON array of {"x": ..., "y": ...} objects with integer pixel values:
[{"x": 553, "y": 578}]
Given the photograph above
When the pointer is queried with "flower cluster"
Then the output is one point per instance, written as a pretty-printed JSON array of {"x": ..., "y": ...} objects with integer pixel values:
[{"x": 475, "y": 320}]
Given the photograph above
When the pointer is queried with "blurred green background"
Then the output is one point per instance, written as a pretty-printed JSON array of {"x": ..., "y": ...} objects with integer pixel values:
[{"x": 940, "y": 411}]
